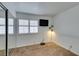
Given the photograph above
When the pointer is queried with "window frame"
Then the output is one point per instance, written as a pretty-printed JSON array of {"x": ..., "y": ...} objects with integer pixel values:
[
  {"x": 28, "y": 27},
  {"x": 34, "y": 26},
  {"x": 23, "y": 26}
]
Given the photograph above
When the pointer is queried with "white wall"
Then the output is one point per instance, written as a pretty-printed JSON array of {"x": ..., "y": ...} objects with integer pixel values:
[
  {"x": 67, "y": 29},
  {"x": 29, "y": 39},
  {"x": 11, "y": 7},
  {"x": 18, "y": 40},
  {"x": 11, "y": 41}
]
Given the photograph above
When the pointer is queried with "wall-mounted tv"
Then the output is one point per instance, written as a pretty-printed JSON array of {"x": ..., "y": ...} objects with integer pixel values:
[{"x": 43, "y": 22}]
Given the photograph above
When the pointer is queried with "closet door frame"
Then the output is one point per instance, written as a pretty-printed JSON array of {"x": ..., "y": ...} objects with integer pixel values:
[{"x": 6, "y": 28}]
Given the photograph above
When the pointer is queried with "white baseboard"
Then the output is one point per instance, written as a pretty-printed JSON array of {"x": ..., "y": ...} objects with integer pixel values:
[
  {"x": 29, "y": 44},
  {"x": 67, "y": 48}
]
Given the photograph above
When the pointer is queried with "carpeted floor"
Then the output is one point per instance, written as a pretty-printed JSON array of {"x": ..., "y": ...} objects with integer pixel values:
[
  {"x": 50, "y": 49},
  {"x": 2, "y": 52}
]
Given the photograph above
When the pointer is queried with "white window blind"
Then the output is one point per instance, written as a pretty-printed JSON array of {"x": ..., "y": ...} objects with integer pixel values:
[
  {"x": 2, "y": 26},
  {"x": 28, "y": 26},
  {"x": 33, "y": 26},
  {"x": 23, "y": 26},
  {"x": 10, "y": 26}
]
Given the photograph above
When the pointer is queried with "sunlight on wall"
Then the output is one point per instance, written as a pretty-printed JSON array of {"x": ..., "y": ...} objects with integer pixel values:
[
  {"x": 54, "y": 34},
  {"x": 51, "y": 35}
]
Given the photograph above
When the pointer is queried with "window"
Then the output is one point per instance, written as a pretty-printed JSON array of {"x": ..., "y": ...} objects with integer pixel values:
[
  {"x": 33, "y": 26},
  {"x": 23, "y": 26},
  {"x": 28, "y": 26},
  {"x": 2, "y": 26},
  {"x": 10, "y": 26}
]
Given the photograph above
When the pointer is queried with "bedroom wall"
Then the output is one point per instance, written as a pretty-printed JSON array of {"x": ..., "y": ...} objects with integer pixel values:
[
  {"x": 11, "y": 7},
  {"x": 66, "y": 27},
  {"x": 29, "y": 39},
  {"x": 18, "y": 40}
]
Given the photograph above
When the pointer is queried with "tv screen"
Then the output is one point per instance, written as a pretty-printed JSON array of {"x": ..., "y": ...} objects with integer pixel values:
[{"x": 43, "y": 22}]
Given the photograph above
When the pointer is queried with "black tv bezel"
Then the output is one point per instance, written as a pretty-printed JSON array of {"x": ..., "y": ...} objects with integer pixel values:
[{"x": 44, "y": 20}]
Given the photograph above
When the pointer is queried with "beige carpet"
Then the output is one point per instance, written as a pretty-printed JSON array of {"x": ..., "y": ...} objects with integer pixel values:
[
  {"x": 2, "y": 52},
  {"x": 50, "y": 49}
]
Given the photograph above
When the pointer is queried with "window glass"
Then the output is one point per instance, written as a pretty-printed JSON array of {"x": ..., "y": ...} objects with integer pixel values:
[
  {"x": 33, "y": 23},
  {"x": 2, "y": 26},
  {"x": 23, "y": 29},
  {"x": 33, "y": 29},
  {"x": 23, "y": 26},
  {"x": 23, "y": 22}
]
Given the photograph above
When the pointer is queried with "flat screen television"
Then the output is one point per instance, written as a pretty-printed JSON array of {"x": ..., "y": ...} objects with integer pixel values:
[{"x": 43, "y": 22}]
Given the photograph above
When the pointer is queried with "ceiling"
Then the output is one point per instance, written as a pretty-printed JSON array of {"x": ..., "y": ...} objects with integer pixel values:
[{"x": 43, "y": 8}]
